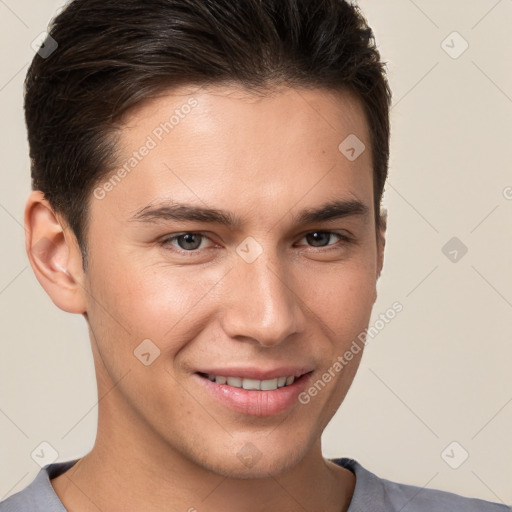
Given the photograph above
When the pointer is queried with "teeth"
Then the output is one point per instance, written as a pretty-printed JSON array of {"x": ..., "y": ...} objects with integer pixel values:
[
  {"x": 235, "y": 382},
  {"x": 268, "y": 385},
  {"x": 253, "y": 384}
]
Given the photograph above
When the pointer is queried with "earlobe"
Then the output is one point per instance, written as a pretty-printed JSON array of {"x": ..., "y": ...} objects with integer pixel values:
[{"x": 54, "y": 255}]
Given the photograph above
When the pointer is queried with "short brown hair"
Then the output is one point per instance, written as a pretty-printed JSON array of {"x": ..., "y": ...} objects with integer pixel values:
[{"x": 113, "y": 54}]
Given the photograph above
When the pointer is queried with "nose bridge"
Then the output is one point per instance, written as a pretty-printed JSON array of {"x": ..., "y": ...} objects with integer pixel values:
[{"x": 263, "y": 305}]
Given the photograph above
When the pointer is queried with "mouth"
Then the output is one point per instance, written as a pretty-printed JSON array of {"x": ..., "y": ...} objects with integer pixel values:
[
  {"x": 251, "y": 384},
  {"x": 244, "y": 393}
]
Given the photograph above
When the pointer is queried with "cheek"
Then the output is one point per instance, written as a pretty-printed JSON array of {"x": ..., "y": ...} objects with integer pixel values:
[
  {"x": 343, "y": 304},
  {"x": 343, "y": 297},
  {"x": 159, "y": 295},
  {"x": 169, "y": 306}
]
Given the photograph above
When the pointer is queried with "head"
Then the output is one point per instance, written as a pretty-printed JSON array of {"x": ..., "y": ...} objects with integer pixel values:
[{"x": 271, "y": 120}]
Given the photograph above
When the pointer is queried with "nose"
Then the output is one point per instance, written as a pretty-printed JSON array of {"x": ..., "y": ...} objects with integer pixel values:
[{"x": 262, "y": 304}]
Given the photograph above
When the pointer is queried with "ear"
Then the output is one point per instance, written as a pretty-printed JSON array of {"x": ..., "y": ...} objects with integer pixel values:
[
  {"x": 381, "y": 241},
  {"x": 54, "y": 254}
]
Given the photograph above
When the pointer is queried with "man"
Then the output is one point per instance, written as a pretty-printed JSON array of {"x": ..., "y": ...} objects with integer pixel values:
[{"x": 207, "y": 183}]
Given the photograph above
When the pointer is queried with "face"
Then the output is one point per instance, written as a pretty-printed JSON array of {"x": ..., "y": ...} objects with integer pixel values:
[{"x": 215, "y": 262}]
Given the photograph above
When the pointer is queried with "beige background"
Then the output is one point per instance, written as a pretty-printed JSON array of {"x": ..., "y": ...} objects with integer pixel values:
[{"x": 439, "y": 372}]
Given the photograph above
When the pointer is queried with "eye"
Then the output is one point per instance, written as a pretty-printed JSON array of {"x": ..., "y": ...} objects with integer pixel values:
[
  {"x": 188, "y": 242},
  {"x": 321, "y": 238}
]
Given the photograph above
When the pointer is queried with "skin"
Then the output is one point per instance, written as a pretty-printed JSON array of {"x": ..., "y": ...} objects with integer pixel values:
[{"x": 163, "y": 443}]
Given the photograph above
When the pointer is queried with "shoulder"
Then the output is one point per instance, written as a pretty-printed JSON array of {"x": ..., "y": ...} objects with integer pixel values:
[
  {"x": 39, "y": 495},
  {"x": 381, "y": 495},
  {"x": 419, "y": 499}
]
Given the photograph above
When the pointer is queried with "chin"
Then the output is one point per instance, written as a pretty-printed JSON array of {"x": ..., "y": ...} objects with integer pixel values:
[
  {"x": 252, "y": 460},
  {"x": 275, "y": 467}
]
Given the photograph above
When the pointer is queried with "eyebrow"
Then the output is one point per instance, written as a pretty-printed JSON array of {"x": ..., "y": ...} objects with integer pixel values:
[{"x": 185, "y": 212}]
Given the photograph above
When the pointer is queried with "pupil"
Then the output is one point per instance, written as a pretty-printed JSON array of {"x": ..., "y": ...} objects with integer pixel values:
[
  {"x": 317, "y": 234},
  {"x": 187, "y": 238}
]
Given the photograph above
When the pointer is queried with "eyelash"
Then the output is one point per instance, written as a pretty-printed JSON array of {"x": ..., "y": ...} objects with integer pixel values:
[{"x": 166, "y": 242}]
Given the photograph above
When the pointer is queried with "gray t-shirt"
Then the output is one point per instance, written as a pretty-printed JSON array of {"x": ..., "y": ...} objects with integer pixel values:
[{"x": 371, "y": 494}]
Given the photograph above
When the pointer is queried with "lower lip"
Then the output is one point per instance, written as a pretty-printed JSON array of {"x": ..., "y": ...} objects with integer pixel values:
[{"x": 253, "y": 402}]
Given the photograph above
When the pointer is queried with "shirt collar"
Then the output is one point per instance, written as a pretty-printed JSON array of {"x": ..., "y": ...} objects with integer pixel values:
[{"x": 369, "y": 492}]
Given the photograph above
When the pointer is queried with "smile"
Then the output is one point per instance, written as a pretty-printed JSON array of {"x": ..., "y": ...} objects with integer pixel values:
[
  {"x": 252, "y": 384},
  {"x": 274, "y": 392}
]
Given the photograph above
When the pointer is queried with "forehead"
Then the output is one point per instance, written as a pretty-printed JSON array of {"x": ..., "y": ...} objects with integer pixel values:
[
  {"x": 223, "y": 144},
  {"x": 228, "y": 96}
]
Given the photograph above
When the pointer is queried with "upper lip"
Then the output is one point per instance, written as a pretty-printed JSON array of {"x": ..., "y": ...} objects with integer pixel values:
[{"x": 258, "y": 373}]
